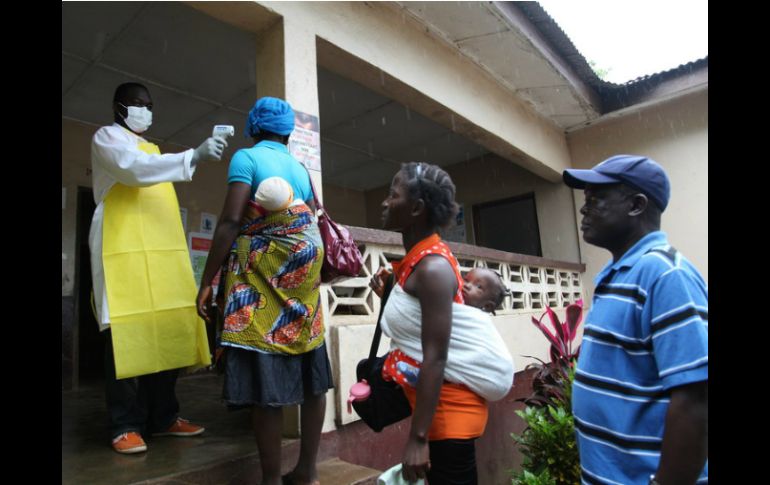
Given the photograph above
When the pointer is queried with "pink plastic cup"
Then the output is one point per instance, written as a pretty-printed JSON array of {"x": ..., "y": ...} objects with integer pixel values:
[{"x": 359, "y": 391}]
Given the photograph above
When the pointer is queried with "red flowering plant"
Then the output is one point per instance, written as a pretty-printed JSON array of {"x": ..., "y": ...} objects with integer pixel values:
[
  {"x": 552, "y": 384},
  {"x": 548, "y": 442}
]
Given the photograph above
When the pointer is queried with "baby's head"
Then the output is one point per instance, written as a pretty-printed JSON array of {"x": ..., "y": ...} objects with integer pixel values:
[
  {"x": 483, "y": 289},
  {"x": 273, "y": 194}
]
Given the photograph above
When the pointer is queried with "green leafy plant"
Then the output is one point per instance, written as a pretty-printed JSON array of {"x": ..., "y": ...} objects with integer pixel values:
[
  {"x": 528, "y": 478},
  {"x": 549, "y": 447},
  {"x": 548, "y": 442}
]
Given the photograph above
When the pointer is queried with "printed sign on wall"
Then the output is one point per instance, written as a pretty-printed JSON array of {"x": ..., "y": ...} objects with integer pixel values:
[
  {"x": 199, "y": 245},
  {"x": 305, "y": 140},
  {"x": 208, "y": 222}
]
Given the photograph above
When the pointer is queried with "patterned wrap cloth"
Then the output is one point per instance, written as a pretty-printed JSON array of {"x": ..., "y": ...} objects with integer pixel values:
[{"x": 272, "y": 281}]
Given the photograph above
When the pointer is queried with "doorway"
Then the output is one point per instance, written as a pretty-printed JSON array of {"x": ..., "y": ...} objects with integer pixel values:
[{"x": 89, "y": 350}]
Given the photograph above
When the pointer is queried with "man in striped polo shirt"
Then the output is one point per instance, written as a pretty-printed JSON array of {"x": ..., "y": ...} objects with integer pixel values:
[{"x": 640, "y": 396}]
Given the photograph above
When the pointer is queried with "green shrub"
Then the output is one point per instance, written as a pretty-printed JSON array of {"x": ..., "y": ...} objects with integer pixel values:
[
  {"x": 549, "y": 447},
  {"x": 528, "y": 478}
]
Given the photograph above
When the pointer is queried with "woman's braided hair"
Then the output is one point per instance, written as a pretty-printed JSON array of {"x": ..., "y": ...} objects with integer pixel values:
[{"x": 433, "y": 185}]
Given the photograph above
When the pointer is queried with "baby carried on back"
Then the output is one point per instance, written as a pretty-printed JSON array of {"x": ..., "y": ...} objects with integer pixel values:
[{"x": 477, "y": 356}]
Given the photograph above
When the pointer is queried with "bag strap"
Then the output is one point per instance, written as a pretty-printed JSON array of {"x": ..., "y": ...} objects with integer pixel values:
[
  {"x": 317, "y": 202},
  {"x": 389, "y": 282}
]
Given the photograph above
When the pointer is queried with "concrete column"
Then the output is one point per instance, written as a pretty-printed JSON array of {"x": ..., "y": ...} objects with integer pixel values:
[{"x": 286, "y": 68}]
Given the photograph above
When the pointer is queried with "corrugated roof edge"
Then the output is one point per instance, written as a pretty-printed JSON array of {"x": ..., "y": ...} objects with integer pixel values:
[{"x": 614, "y": 96}]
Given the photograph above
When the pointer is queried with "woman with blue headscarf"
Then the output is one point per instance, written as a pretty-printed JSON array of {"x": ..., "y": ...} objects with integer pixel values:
[{"x": 273, "y": 332}]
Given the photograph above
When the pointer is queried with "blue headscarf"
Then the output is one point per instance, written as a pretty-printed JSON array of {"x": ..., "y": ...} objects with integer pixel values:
[{"x": 270, "y": 114}]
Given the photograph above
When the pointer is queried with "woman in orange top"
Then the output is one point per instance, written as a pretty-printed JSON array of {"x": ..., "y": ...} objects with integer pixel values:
[{"x": 446, "y": 417}]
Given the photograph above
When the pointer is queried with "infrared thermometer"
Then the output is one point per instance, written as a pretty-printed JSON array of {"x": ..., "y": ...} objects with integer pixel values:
[{"x": 223, "y": 131}]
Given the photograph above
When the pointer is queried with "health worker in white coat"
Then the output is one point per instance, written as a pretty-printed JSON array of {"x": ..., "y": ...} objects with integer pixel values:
[{"x": 143, "y": 285}]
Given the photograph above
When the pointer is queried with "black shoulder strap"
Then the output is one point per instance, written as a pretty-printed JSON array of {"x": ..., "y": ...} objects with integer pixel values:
[{"x": 378, "y": 329}]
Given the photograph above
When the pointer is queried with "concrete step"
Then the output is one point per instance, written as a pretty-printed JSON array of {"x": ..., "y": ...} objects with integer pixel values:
[
  {"x": 339, "y": 472},
  {"x": 245, "y": 471},
  {"x": 225, "y": 454}
]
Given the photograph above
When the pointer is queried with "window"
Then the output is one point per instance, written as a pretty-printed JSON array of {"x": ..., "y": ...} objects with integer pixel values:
[{"x": 508, "y": 225}]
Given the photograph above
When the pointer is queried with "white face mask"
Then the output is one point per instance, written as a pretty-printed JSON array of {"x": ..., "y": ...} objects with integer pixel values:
[{"x": 138, "y": 119}]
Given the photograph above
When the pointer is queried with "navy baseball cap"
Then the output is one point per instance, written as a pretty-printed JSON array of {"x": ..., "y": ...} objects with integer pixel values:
[{"x": 641, "y": 173}]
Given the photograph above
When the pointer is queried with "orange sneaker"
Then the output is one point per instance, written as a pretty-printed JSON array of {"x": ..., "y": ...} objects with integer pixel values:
[
  {"x": 130, "y": 442},
  {"x": 182, "y": 427}
]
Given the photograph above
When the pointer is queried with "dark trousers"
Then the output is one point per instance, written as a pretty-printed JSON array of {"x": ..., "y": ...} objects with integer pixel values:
[
  {"x": 452, "y": 462},
  {"x": 144, "y": 404}
]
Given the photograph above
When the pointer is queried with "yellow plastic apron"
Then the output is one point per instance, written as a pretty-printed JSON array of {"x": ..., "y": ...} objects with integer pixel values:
[{"x": 150, "y": 286}]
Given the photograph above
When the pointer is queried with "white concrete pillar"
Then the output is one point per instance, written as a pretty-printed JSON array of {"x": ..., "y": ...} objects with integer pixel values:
[{"x": 286, "y": 68}]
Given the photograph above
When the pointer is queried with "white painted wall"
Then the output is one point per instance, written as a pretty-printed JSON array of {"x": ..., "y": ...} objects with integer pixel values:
[{"x": 675, "y": 134}]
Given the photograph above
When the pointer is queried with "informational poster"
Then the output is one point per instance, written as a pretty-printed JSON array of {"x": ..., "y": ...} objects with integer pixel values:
[
  {"x": 199, "y": 244},
  {"x": 456, "y": 231},
  {"x": 183, "y": 214},
  {"x": 208, "y": 222},
  {"x": 305, "y": 140}
]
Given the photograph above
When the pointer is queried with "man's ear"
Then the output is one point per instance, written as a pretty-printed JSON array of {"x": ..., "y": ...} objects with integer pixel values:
[{"x": 639, "y": 204}]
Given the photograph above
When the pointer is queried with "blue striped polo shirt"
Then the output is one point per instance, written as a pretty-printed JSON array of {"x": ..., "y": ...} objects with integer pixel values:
[{"x": 646, "y": 332}]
